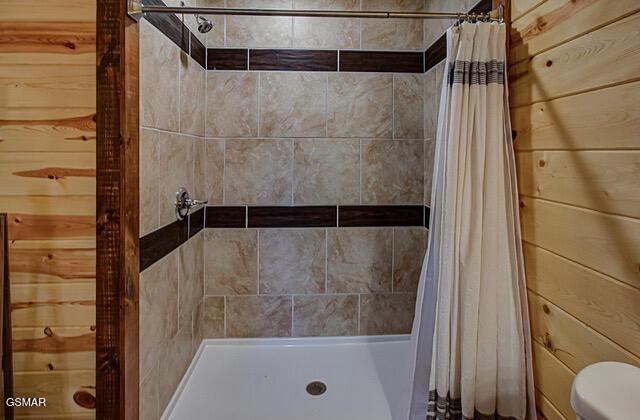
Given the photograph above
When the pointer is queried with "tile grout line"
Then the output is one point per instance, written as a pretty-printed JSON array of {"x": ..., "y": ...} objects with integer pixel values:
[
  {"x": 393, "y": 255},
  {"x": 257, "y": 261},
  {"x": 326, "y": 261}
]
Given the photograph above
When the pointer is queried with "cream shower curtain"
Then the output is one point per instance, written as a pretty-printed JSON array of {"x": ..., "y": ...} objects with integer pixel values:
[{"x": 471, "y": 331}]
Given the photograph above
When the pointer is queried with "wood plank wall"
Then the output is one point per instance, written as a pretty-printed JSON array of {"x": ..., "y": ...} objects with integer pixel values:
[
  {"x": 575, "y": 95},
  {"x": 47, "y": 185}
]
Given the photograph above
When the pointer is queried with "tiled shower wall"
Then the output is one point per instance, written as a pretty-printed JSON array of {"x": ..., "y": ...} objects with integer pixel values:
[
  {"x": 313, "y": 138},
  {"x": 172, "y": 90},
  {"x": 281, "y": 138}
]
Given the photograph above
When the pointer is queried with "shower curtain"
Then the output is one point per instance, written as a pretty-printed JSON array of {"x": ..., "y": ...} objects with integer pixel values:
[{"x": 471, "y": 337}]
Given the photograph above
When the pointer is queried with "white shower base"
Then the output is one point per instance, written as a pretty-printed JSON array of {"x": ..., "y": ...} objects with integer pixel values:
[{"x": 367, "y": 378}]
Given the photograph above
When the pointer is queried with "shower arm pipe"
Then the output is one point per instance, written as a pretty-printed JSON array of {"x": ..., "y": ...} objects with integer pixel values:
[{"x": 136, "y": 10}]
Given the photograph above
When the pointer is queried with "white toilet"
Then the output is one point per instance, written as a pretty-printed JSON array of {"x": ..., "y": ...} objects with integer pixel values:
[{"x": 607, "y": 391}]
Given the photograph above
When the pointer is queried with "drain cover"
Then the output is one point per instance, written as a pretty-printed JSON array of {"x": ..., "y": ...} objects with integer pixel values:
[{"x": 316, "y": 388}]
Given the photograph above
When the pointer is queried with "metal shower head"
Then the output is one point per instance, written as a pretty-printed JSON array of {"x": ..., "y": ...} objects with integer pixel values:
[{"x": 204, "y": 24}]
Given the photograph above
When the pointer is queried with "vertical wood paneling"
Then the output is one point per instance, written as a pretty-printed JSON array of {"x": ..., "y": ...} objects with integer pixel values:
[
  {"x": 575, "y": 109},
  {"x": 47, "y": 184}
]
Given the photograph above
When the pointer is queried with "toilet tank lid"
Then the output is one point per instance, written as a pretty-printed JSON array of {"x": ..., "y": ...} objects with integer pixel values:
[{"x": 607, "y": 390}]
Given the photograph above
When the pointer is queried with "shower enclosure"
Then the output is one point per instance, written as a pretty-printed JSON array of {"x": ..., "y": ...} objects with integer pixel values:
[{"x": 311, "y": 140}]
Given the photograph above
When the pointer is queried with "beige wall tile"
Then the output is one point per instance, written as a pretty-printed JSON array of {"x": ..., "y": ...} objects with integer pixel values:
[
  {"x": 394, "y": 5},
  {"x": 430, "y": 104},
  {"x": 293, "y": 104},
  {"x": 402, "y": 34},
  {"x": 191, "y": 279},
  {"x": 215, "y": 37},
  {"x": 360, "y": 105},
  {"x": 409, "y": 245},
  {"x": 192, "y": 96},
  {"x": 386, "y": 313},
  {"x": 325, "y": 315},
  {"x": 230, "y": 261},
  {"x": 212, "y": 317},
  {"x": 175, "y": 170},
  {"x": 429, "y": 152},
  {"x": 326, "y": 171},
  {"x": 258, "y": 316},
  {"x": 334, "y": 33},
  {"x": 259, "y": 32},
  {"x": 158, "y": 309},
  {"x": 291, "y": 261},
  {"x": 392, "y": 171},
  {"x": 149, "y": 397},
  {"x": 200, "y": 190},
  {"x": 149, "y": 201},
  {"x": 212, "y": 182},
  {"x": 327, "y": 4},
  {"x": 359, "y": 260},
  {"x": 260, "y": 4},
  {"x": 408, "y": 111},
  {"x": 232, "y": 104},
  {"x": 434, "y": 28},
  {"x": 159, "y": 79},
  {"x": 174, "y": 361},
  {"x": 258, "y": 171}
]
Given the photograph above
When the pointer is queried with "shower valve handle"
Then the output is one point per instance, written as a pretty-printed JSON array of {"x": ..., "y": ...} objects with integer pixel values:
[{"x": 184, "y": 203}]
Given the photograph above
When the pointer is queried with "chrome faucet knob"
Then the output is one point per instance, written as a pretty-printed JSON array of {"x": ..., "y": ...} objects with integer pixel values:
[{"x": 184, "y": 203}]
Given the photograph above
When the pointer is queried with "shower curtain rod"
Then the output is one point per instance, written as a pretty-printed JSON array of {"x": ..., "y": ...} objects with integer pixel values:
[{"x": 137, "y": 9}]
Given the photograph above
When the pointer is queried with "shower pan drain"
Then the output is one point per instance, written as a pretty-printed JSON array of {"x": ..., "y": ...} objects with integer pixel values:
[{"x": 316, "y": 388}]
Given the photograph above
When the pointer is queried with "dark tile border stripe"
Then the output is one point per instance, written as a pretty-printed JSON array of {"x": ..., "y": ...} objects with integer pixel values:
[
  {"x": 301, "y": 60},
  {"x": 198, "y": 51},
  {"x": 294, "y": 216},
  {"x": 161, "y": 242},
  {"x": 157, "y": 244},
  {"x": 382, "y": 61},
  {"x": 438, "y": 50},
  {"x": 227, "y": 59},
  {"x": 177, "y": 32},
  {"x": 427, "y": 216},
  {"x": 361, "y": 216},
  {"x": 169, "y": 24},
  {"x": 226, "y": 217},
  {"x": 196, "y": 222}
]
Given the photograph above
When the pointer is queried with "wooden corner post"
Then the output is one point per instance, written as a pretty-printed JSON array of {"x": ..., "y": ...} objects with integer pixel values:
[{"x": 117, "y": 370}]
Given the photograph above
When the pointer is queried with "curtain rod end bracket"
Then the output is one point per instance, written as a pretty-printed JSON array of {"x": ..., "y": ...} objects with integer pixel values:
[{"x": 134, "y": 9}]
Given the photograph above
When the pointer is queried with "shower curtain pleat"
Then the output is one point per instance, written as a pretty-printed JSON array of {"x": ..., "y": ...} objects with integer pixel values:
[{"x": 471, "y": 338}]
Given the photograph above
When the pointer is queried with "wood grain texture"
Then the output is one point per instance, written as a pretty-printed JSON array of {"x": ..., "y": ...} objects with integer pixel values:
[
  {"x": 574, "y": 96},
  {"x": 598, "y": 59},
  {"x": 117, "y": 214},
  {"x": 546, "y": 409},
  {"x": 58, "y": 388},
  {"x": 601, "y": 119},
  {"x": 48, "y": 37},
  {"x": 553, "y": 379},
  {"x": 606, "y": 243},
  {"x": 601, "y": 302},
  {"x": 47, "y": 184},
  {"x": 7, "y": 367},
  {"x": 606, "y": 181},
  {"x": 568, "y": 339},
  {"x": 547, "y": 25}
]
